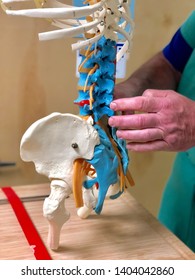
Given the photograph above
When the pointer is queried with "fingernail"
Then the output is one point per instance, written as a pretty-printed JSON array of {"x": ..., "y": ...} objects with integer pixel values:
[
  {"x": 113, "y": 106},
  {"x": 111, "y": 121},
  {"x": 118, "y": 134}
]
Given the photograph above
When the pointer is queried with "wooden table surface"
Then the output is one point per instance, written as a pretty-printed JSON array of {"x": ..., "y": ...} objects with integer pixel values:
[{"x": 124, "y": 230}]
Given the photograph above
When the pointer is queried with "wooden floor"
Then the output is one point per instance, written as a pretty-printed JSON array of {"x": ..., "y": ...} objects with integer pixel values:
[{"x": 124, "y": 230}]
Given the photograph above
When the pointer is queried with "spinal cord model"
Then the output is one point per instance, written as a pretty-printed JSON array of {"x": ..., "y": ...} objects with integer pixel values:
[{"x": 81, "y": 154}]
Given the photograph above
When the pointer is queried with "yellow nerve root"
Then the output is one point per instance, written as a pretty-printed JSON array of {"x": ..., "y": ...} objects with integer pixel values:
[{"x": 81, "y": 168}]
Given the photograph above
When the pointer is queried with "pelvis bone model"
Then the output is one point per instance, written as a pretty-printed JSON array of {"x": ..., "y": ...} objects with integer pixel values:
[{"x": 81, "y": 154}]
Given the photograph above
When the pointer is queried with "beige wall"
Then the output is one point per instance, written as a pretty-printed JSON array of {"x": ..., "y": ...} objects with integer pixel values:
[{"x": 37, "y": 78}]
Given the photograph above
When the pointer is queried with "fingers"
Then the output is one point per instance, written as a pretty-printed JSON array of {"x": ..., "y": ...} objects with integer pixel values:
[
  {"x": 148, "y": 102},
  {"x": 158, "y": 145},
  {"x": 138, "y": 121},
  {"x": 141, "y": 136},
  {"x": 139, "y": 103}
]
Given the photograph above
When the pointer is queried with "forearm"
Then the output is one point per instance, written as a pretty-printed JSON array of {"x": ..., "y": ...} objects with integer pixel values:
[{"x": 156, "y": 73}]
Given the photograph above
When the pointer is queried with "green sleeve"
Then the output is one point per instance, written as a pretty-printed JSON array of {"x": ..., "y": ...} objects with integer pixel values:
[{"x": 188, "y": 30}]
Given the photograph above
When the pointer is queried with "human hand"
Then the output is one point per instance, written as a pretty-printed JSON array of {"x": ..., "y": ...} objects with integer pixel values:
[{"x": 166, "y": 121}]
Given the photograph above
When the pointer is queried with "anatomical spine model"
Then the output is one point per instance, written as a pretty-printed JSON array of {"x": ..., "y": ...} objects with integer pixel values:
[{"x": 81, "y": 154}]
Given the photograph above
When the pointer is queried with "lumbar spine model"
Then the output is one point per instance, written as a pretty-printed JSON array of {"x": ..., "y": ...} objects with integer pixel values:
[{"x": 81, "y": 154}]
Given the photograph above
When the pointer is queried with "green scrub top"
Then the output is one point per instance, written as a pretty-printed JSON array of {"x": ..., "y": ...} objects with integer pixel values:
[{"x": 177, "y": 210}]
